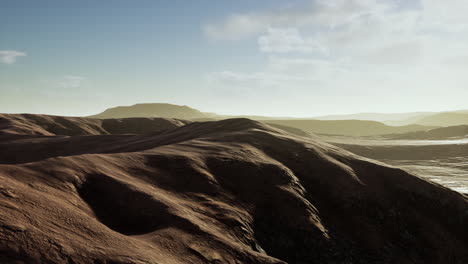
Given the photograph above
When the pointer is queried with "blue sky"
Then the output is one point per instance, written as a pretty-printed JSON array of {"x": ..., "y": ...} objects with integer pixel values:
[{"x": 300, "y": 58}]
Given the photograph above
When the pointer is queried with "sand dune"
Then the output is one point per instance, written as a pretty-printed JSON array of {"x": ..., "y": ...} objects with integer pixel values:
[{"x": 231, "y": 191}]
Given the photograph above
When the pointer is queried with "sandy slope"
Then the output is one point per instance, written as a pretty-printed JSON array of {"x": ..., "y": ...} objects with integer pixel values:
[{"x": 231, "y": 191}]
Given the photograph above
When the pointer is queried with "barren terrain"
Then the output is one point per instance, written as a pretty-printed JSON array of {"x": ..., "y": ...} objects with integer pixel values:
[{"x": 230, "y": 191}]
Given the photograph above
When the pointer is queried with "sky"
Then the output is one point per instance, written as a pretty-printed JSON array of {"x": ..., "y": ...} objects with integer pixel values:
[{"x": 297, "y": 58}]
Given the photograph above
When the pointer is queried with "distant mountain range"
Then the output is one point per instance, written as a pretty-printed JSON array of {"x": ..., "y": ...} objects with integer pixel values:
[
  {"x": 361, "y": 124},
  {"x": 445, "y": 119},
  {"x": 357, "y": 128},
  {"x": 451, "y": 118},
  {"x": 388, "y": 118}
]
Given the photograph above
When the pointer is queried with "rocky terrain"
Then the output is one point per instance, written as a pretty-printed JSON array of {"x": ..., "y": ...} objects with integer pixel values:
[{"x": 78, "y": 190}]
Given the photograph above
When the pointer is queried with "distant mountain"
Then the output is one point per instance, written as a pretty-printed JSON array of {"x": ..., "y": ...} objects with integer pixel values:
[
  {"x": 451, "y": 132},
  {"x": 445, "y": 119},
  {"x": 391, "y": 118},
  {"x": 153, "y": 110},
  {"x": 452, "y": 118},
  {"x": 379, "y": 123},
  {"x": 348, "y": 127},
  {"x": 170, "y": 111}
]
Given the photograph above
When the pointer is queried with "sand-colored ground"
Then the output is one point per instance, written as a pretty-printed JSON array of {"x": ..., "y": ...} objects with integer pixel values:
[{"x": 231, "y": 191}]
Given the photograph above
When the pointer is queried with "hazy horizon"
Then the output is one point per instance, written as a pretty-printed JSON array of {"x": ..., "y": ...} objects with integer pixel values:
[
  {"x": 302, "y": 131},
  {"x": 295, "y": 59},
  {"x": 246, "y": 114}
]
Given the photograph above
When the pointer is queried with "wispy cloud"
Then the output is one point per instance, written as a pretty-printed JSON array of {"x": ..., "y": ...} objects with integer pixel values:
[
  {"x": 325, "y": 13},
  {"x": 284, "y": 40},
  {"x": 353, "y": 47},
  {"x": 65, "y": 87},
  {"x": 372, "y": 30},
  {"x": 10, "y": 56},
  {"x": 70, "y": 82}
]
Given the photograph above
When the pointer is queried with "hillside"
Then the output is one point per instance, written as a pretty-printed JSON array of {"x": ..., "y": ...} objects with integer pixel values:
[
  {"x": 231, "y": 191},
  {"x": 293, "y": 130},
  {"x": 347, "y": 127},
  {"x": 445, "y": 119},
  {"x": 451, "y": 132},
  {"x": 24, "y": 125},
  {"x": 350, "y": 125},
  {"x": 169, "y": 111}
]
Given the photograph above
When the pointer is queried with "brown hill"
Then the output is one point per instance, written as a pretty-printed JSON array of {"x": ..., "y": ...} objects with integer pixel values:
[
  {"x": 293, "y": 130},
  {"x": 347, "y": 127},
  {"x": 153, "y": 110},
  {"x": 46, "y": 125},
  {"x": 231, "y": 191}
]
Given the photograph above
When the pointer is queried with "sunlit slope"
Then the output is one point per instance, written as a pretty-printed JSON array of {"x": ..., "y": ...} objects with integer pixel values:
[{"x": 230, "y": 191}]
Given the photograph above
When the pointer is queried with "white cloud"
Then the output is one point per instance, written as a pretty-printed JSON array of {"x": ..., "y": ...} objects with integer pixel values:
[
  {"x": 445, "y": 15},
  {"x": 66, "y": 82},
  {"x": 70, "y": 82},
  {"x": 383, "y": 50},
  {"x": 322, "y": 13},
  {"x": 236, "y": 27},
  {"x": 355, "y": 28},
  {"x": 10, "y": 56},
  {"x": 283, "y": 40},
  {"x": 66, "y": 87}
]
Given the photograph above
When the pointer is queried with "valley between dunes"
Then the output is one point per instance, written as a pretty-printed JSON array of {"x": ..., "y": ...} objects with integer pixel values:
[{"x": 157, "y": 190}]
